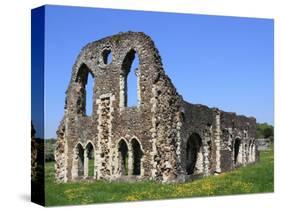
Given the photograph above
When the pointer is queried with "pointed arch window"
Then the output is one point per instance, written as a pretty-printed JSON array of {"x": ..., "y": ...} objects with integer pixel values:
[
  {"x": 85, "y": 92},
  {"x": 137, "y": 155},
  {"x": 123, "y": 155},
  {"x": 130, "y": 81}
]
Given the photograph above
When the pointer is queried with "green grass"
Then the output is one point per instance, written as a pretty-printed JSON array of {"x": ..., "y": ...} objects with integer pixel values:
[
  {"x": 91, "y": 167},
  {"x": 255, "y": 178}
]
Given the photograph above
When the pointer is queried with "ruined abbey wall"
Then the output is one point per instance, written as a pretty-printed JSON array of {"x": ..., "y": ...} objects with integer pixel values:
[{"x": 163, "y": 138}]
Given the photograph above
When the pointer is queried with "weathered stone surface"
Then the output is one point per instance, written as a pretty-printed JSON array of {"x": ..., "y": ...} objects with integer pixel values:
[
  {"x": 163, "y": 138},
  {"x": 37, "y": 167},
  {"x": 33, "y": 152}
]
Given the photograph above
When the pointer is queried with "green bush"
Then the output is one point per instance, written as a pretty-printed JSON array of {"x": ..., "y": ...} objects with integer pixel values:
[
  {"x": 50, "y": 145},
  {"x": 265, "y": 130}
]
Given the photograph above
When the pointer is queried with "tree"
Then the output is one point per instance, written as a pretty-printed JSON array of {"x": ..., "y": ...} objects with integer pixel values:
[{"x": 265, "y": 130}]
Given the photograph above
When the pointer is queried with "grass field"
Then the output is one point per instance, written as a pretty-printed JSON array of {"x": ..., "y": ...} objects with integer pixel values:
[{"x": 255, "y": 178}]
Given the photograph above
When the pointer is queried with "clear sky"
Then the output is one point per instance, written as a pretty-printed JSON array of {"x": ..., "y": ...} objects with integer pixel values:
[{"x": 224, "y": 62}]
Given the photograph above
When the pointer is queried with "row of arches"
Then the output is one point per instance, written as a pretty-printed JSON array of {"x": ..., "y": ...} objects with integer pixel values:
[
  {"x": 198, "y": 154},
  {"x": 243, "y": 152},
  {"x": 129, "y": 83},
  {"x": 84, "y": 160},
  {"x": 129, "y": 157}
]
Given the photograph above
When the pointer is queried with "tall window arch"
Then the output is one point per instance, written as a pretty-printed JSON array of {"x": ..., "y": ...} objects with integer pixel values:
[
  {"x": 237, "y": 151},
  {"x": 80, "y": 159},
  {"x": 90, "y": 159},
  {"x": 193, "y": 147},
  {"x": 85, "y": 95},
  {"x": 129, "y": 80},
  {"x": 137, "y": 155},
  {"x": 123, "y": 155}
]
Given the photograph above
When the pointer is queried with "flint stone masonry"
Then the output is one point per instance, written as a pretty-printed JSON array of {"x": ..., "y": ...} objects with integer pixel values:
[
  {"x": 163, "y": 138},
  {"x": 33, "y": 153}
]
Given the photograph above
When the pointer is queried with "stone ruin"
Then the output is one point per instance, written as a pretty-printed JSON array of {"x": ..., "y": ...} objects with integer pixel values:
[
  {"x": 37, "y": 168},
  {"x": 163, "y": 138},
  {"x": 33, "y": 153}
]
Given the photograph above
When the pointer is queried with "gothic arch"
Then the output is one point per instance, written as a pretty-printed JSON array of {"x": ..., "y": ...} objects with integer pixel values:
[
  {"x": 123, "y": 157},
  {"x": 79, "y": 159},
  {"x": 81, "y": 79},
  {"x": 78, "y": 144},
  {"x": 82, "y": 73},
  {"x": 128, "y": 61},
  {"x": 193, "y": 152},
  {"x": 90, "y": 143},
  {"x": 125, "y": 72},
  {"x": 237, "y": 150},
  {"x": 89, "y": 159},
  {"x": 136, "y": 138},
  {"x": 137, "y": 154}
]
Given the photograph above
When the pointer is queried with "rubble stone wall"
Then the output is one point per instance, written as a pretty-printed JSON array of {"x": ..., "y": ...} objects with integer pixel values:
[{"x": 162, "y": 138}]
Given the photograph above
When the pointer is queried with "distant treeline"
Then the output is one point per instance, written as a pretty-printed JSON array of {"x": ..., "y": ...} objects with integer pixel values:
[{"x": 265, "y": 130}]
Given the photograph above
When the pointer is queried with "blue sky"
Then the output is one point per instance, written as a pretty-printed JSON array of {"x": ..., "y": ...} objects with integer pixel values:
[{"x": 224, "y": 62}]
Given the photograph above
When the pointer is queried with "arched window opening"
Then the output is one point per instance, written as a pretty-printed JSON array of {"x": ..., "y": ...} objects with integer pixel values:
[
  {"x": 237, "y": 144},
  {"x": 89, "y": 95},
  {"x": 80, "y": 155},
  {"x": 107, "y": 56},
  {"x": 132, "y": 81},
  {"x": 137, "y": 155},
  {"x": 129, "y": 81},
  {"x": 85, "y": 93},
  {"x": 123, "y": 157},
  {"x": 193, "y": 147},
  {"x": 90, "y": 159}
]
